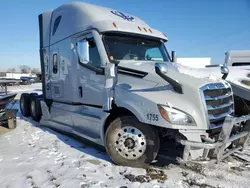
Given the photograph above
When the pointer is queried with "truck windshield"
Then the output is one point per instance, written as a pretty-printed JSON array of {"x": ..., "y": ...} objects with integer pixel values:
[{"x": 126, "y": 47}]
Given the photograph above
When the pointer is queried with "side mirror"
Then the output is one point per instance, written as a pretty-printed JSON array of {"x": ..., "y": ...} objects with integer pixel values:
[
  {"x": 162, "y": 67},
  {"x": 112, "y": 60},
  {"x": 173, "y": 56},
  {"x": 83, "y": 51},
  {"x": 224, "y": 71},
  {"x": 116, "y": 62}
]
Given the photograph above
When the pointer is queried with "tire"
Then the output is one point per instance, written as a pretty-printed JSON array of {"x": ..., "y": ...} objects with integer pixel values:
[
  {"x": 35, "y": 108},
  {"x": 33, "y": 94},
  {"x": 41, "y": 96},
  {"x": 25, "y": 104},
  {"x": 131, "y": 143}
]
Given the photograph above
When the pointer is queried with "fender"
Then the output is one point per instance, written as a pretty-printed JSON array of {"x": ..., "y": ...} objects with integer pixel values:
[
  {"x": 132, "y": 102},
  {"x": 133, "y": 109},
  {"x": 126, "y": 106}
]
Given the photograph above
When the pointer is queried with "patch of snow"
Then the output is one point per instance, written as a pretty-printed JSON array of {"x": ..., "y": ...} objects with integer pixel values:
[
  {"x": 35, "y": 156},
  {"x": 209, "y": 73}
]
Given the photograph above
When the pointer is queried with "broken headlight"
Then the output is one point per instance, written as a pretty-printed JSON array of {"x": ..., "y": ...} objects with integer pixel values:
[{"x": 175, "y": 116}]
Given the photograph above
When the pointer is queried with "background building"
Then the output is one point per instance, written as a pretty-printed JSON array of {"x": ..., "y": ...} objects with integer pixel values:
[{"x": 194, "y": 62}]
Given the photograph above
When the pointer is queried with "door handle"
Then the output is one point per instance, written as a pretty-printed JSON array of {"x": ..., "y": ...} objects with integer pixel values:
[{"x": 80, "y": 91}]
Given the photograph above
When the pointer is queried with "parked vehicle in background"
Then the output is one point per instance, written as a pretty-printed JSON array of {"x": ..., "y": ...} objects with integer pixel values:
[
  {"x": 237, "y": 58},
  {"x": 25, "y": 80},
  {"x": 28, "y": 80},
  {"x": 13, "y": 82},
  {"x": 36, "y": 79},
  {"x": 237, "y": 64},
  {"x": 108, "y": 77},
  {"x": 39, "y": 77},
  {"x": 7, "y": 115}
]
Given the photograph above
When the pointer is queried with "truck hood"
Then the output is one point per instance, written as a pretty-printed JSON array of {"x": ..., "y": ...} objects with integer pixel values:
[
  {"x": 238, "y": 75},
  {"x": 140, "y": 81},
  {"x": 185, "y": 76}
]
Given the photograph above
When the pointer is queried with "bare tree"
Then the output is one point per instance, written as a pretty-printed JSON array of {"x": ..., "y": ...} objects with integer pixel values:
[
  {"x": 24, "y": 69},
  {"x": 35, "y": 71},
  {"x": 11, "y": 70}
]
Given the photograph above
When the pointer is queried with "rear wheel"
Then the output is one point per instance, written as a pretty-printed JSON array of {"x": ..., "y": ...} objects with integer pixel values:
[
  {"x": 131, "y": 143},
  {"x": 33, "y": 94},
  {"x": 35, "y": 107},
  {"x": 25, "y": 104}
]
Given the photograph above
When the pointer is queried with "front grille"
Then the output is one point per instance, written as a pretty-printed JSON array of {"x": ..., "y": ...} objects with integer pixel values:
[
  {"x": 217, "y": 92},
  {"x": 218, "y": 102}
]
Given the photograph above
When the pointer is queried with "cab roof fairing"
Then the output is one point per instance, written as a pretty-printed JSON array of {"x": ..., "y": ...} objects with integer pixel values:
[
  {"x": 122, "y": 27},
  {"x": 82, "y": 16}
]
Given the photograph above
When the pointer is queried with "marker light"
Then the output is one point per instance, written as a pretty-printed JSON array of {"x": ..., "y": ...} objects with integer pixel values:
[
  {"x": 145, "y": 29},
  {"x": 163, "y": 113},
  {"x": 150, "y": 30},
  {"x": 139, "y": 28},
  {"x": 115, "y": 25}
]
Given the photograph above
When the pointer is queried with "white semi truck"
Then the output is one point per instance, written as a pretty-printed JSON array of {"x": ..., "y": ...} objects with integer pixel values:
[
  {"x": 237, "y": 58},
  {"x": 238, "y": 65},
  {"x": 238, "y": 62},
  {"x": 108, "y": 77}
]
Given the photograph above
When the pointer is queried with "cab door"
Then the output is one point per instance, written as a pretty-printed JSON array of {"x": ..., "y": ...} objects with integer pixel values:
[
  {"x": 91, "y": 75},
  {"x": 91, "y": 89}
]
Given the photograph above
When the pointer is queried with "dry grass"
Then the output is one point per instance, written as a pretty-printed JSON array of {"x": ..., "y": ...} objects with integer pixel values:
[
  {"x": 245, "y": 82},
  {"x": 3, "y": 130}
]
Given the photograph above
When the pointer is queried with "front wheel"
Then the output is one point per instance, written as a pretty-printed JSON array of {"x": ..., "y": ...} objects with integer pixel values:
[{"x": 131, "y": 143}]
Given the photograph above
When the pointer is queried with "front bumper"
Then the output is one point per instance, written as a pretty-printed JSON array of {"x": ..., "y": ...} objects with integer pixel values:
[{"x": 220, "y": 147}]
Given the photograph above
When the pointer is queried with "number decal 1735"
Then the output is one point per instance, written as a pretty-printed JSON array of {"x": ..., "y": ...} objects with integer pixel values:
[{"x": 153, "y": 117}]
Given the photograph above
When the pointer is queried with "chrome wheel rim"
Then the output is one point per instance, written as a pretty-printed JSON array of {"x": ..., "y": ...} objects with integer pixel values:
[
  {"x": 130, "y": 142},
  {"x": 33, "y": 109}
]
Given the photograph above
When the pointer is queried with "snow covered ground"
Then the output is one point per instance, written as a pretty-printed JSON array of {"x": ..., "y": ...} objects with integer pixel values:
[{"x": 37, "y": 157}]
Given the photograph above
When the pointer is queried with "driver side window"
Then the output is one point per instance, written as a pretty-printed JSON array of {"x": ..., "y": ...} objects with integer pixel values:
[
  {"x": 88, "y": 52},
  {"x": 94, "y": 57}
]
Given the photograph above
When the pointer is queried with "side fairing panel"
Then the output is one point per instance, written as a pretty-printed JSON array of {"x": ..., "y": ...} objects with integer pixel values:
[
  {"x": 44, "y": 28},
  {"x": 89, "y": 121},
  {"x": 44, "y": 33},
  {"x": 80, "y": 120},
  {"x": 62, "y": 113}
]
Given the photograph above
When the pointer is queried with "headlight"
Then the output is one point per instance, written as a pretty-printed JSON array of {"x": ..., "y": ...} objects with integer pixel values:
[{"x": 175, "y": 116}]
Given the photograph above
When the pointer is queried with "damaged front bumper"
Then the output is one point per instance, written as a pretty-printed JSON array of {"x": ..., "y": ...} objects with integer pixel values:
[{"x": 220, "y": 148}]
